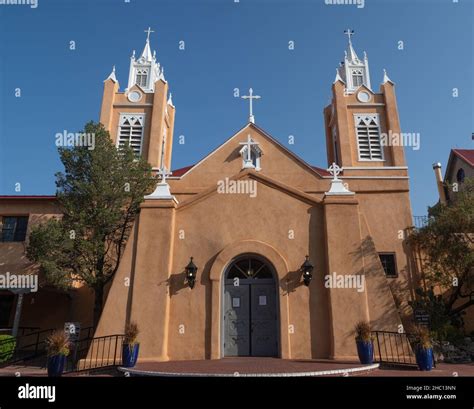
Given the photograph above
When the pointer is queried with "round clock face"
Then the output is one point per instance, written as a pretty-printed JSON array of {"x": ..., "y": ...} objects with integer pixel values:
[
  {"x": 134, "y": 96},
  {"x": 363, "y": 96}
]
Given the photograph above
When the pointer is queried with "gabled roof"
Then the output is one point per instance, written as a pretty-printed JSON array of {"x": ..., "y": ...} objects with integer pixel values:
[
  {"x": 466, "y": 154},
  {"x": 319, "y": 171}
]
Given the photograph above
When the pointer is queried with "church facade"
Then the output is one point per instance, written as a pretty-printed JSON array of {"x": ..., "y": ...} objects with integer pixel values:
[{"x": 251, "y": 251}]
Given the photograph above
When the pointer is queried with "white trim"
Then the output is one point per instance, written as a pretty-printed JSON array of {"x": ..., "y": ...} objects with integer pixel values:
[
  {"x": 132, "y": 105},
  {"x": 367, "y": 104},
  {"x": 363, "y": 368},
  {"x": 375, "y": 167},
  {"x": 371, "y": 177},
  {"x": 271, "y": 138}
]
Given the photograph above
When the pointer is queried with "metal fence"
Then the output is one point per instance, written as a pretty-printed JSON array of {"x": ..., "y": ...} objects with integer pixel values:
[
  {"x": 394, "y": 348},
  {"x": 30, "y": 347},
  {"x": 95, "y": 353}
]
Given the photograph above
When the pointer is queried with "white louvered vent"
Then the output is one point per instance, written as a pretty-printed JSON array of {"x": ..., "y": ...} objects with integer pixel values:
[{"x": 368, "y": 136}]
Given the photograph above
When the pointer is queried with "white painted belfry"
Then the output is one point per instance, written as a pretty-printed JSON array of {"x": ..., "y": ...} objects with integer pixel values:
[
  {"x": 145, "y": 70},
  {"x": 251, "y": 97},
  {"x": 353, "y": 71},
  {"x": 112, "y": 75},
  {"x": 337, "y": 186}
]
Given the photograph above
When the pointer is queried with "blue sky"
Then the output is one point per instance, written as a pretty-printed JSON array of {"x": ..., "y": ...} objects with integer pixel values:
[{"x": 232, "y": 45}]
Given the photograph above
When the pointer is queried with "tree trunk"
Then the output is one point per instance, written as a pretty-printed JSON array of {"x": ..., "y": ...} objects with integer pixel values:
[{"x": 98, "y": 304}]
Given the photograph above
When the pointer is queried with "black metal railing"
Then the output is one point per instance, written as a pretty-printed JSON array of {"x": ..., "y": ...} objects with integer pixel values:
[
  {"x": 21, "y": 330},
  {"x": 394, "y": 348},
  {"x": 25, "y": 347},
  {"x": 30, "y": 348},
  {"x": 95, "y": 353}
]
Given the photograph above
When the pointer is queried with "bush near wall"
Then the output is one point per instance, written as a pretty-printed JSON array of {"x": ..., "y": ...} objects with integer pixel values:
[{"x": 7, "y": 347}]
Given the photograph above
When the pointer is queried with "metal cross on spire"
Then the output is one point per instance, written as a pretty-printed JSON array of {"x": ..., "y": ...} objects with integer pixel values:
[
  {"x": 148, "y": 33},
  {"x": 251, "y": 97},
  {"x": 349, "y": 34}
]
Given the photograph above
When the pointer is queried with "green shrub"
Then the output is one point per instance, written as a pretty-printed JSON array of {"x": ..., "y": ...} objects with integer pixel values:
[{"x": 7, "y": 347}]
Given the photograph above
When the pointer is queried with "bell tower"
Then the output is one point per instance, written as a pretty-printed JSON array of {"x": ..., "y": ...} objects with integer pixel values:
[
  {"x": 142, "y": 115},
  {"x": 360, "y": 122}
]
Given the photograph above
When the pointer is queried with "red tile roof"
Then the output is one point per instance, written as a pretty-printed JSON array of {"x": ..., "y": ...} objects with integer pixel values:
[
  {"x": 465, "y": 154},
  {"x": 321, "y": 171},
  {"x": 28, "y": 197},
  {"x": 181, "y": 171}
]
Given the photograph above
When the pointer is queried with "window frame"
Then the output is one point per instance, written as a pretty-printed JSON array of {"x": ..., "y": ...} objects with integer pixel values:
[
  {"x": 359, "y": 73},
  {"x": 15, "y": 229},
  {"x": 142, "y": 73},
  {"x": 122, "y": 117},
  {"x": 389, "y": 253},
  {"x": 376, "y": 118}
]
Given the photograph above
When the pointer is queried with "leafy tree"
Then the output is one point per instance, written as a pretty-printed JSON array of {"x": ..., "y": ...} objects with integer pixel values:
[
  {"x": 447, "y": 244},
  {"x": 99, "y": 193}
]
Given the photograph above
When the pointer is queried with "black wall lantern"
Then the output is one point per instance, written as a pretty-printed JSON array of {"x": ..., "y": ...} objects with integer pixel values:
[
  {"x": 307, "y": 269},
  {"x": 191, "y": 273}
]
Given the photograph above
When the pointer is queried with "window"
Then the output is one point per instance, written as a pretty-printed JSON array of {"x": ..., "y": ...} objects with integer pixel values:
[
  {"x": 249, "y": 268},
  {"x": 6, "y": 305},
  {"x": 460, "y": 176},
  {"x": 142, "y": 77},
  {"x": 368, "y": 136},
  {"x": 389, "y": 264},
  {"x": 357, "y": 78},
  {"x": 14, "y": 228},
  {"x": 131, "y": 132},
  {"x": 335, "y": 147}
]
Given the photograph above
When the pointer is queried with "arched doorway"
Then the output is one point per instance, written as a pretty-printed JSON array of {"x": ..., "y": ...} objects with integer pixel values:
[{"x": 250, "y": 315}]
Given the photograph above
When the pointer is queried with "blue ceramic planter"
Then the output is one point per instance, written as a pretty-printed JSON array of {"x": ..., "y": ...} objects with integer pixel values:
[
  {"x": 365, "y": 350},
  {"x": 56, "y": 365},
  {"x": 129, "y": 355},
  {"x": 424, "y": 358}
]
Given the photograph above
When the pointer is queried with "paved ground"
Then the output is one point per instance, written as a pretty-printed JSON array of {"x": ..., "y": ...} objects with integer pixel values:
[
  {"x": 241, "y": 366},
  {"x": 440, "y": 370}
]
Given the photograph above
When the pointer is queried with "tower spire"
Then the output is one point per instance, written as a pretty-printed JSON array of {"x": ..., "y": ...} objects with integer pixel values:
[
  {"x": 145, "y": 70},
  {"x": 353, "y": 71},
  {"x": 146, "y": 54},
  {"x": 351, "y": 54}
]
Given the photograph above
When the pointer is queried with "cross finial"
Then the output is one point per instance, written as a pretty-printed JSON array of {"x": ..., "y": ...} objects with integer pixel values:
[
  {"x": 251, "y": 97},
  {"x": 335, "y": 170},
  {"x": 349, "y": 34},
  {"x": 148, "y": 33},
  {"x": 163, "y": 172}
]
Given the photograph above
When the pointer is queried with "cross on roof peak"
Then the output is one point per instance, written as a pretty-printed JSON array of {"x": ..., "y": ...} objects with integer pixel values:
[{"x": 251, "y": 97}]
